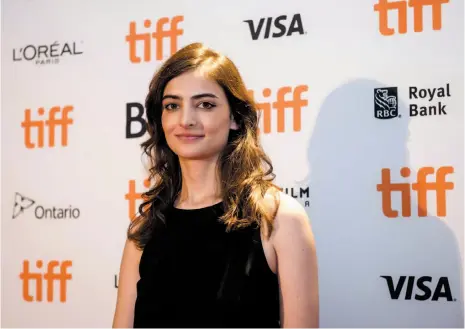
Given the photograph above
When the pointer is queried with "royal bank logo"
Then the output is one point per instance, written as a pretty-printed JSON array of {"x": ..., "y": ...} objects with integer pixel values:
[{"x": 386, "y": 104}]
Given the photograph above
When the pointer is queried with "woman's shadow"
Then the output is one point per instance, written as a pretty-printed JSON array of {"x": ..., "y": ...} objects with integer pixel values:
[{"x": 364, "y": 256}]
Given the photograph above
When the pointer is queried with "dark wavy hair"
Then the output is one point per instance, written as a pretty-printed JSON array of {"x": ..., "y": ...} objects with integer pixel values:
[{"x": 245, "y": 171}]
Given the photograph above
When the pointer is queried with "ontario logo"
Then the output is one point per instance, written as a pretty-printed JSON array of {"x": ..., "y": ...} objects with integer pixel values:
[{"x": 23, "y": 204}]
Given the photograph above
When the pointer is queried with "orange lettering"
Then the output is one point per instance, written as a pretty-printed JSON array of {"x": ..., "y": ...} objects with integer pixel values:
[
  {"x": 134, "y": 197},
  {"x": 280, "y": 105},
  {"x": 159, "y": 35},
  {"x": 51, "y": 123},
  {"x": 421, "y": 186},
  {"x": 384, "y": 6},
  {"x": 50, "y": 276}
]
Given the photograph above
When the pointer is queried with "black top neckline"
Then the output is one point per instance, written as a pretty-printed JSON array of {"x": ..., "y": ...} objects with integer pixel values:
[{"x": 201, "y": 209}]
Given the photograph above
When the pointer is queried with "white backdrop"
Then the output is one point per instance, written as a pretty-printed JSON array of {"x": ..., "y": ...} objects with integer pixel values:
[{"x": 74, "y": 55}]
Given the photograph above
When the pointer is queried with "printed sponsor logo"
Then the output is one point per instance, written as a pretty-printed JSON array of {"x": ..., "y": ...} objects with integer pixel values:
[
  {"x": 50, "y": 277},
  {"x": 419, "y": 288},
  {"x": 23, "y": 203},
  {"x": 275, "y": 27},
  {"x": 47, "y": 54},
  {"x": 423, "y": 102},
  {"x": 56, "y": 117},
  {"x": 401, "y": 7},
  {"x": 152, "y": 42},
  {"x": 437, "y": 184}
]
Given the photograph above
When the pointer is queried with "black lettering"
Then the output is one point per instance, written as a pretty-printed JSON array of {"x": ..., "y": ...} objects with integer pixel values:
[
  {"x": 296, "y": 25},
  {"x": 75, "y": 52},
  {"x": 413, "y": 110},
  {"x": 66, "y": 49},
  {"x": 447, "y": 90},
  {"x": 25, "y": 52},
  {"x": 137, "y": 118},
  {"x": 255, "y": 33},
  {"x": 441, "y": 92},
  {"x": 279, "y": 26},
  {"x": 410, "y": 284},
  {"x": 422, "y": 93},
  {"x": 49, "y": 213},
  {"x": 305, "y": 192},
  {"x": 268, "y": 27},
  {"x": 412, "y": 91},
  {"x": 36, "y": 212},
  {"x": 425, "y": 289},
  {"x": 431, "y": 93},
  {"x": 292, "y": 193},
  {"x": 423, "y": 111},
  {"x": 394, "y": 291},
  {"x": 441, "y": 109},
  {"x": 443, "y": 283},
  {"x": 432, "y": 110},
  {"x": 53, "y": 49},
  {"x": 61, "y": 213},
  {"x": 14, "y": 55},
  {"x": 76, "y": 213},
  {"x": 42, "y": 51},
  {"x": 307, "y": 203}
]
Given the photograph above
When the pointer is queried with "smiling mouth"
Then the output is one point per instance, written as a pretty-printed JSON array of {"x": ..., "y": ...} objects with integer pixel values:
[{"x": 189, "y": 137}]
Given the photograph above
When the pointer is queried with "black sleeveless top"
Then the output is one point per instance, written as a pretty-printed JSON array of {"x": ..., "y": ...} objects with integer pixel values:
[{"x": 195, "y": 274}]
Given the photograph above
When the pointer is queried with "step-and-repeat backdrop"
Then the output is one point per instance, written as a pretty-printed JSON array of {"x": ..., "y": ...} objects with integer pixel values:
[{"x": 369, "y": 139}]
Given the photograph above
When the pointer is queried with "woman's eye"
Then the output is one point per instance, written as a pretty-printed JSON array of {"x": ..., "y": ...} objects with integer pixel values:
[
  {"x": 170, "y": 106},
  {"x": 206, "y": 105}
]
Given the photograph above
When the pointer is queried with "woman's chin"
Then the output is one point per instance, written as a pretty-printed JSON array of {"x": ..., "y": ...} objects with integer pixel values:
[{"x": 194, "y": 155}]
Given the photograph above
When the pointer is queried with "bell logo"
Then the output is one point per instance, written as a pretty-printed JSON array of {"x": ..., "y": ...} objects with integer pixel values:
[
  {"x": 282, "y": 26},
  {"x": 159, "y": 35},
  {"x": 134, "y": 198},
  {"x": 427, "y": 292},
  {"x": 421, "y": 186},
  {"x": 136, "y": 119},
  {"x": 51, "y": 123},
  {"x": 281, "y": 105},
  {"x": 50, "y": 277},
  {"x": 384, "y": 6}
]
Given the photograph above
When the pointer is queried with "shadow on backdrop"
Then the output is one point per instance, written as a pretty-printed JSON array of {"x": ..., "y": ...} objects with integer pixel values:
[{"x": 356, "y": 242}]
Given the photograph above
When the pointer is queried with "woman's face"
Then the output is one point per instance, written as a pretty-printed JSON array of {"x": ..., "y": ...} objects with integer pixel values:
[{"x": 196, "y": 117}]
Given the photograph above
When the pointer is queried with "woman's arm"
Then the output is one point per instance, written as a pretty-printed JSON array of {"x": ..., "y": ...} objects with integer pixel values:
[
  {"x": 294, "y": 244},
  {"x": 127, "y": 286}
]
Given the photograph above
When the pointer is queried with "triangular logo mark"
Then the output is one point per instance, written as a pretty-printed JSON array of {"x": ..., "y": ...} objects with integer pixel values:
[{"x": 21, "y": 203}]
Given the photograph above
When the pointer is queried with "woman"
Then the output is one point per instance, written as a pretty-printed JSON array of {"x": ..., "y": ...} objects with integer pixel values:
[{"x": 216, "y": 243}]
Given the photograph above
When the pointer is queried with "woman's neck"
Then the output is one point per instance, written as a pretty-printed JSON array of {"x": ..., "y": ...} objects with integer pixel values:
[{"x": 200, "y": 184}]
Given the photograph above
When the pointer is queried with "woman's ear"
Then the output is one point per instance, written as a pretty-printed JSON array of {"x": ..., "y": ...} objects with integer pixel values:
[{"x": 233, "y": 125}]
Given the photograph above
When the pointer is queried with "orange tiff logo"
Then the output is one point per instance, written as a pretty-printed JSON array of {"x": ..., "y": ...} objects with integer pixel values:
[
  {"x": 158, "y": 35},
  {"x": 384, "y": 6},
  {"x": 135, "y": 198},
  {"x": 282, "y": 105},
  {"x": 421, "y": 186},
  {"x": 50, "y": 277},
  {"x": 51, "y": 123}
]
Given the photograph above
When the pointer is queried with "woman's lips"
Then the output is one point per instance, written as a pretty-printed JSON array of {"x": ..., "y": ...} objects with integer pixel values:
[{"x": 190, "y": 137}]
